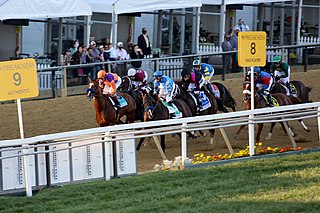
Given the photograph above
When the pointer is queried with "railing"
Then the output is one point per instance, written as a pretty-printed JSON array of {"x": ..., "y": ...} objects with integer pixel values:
[{"x": 87, "y": 154}]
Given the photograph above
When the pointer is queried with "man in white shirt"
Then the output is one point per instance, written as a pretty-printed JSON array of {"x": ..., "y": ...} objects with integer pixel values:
[{"x": 242, "y": 26}]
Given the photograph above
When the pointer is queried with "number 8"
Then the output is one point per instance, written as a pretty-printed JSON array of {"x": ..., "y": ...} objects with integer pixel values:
[{"x": 253, "y": 48}]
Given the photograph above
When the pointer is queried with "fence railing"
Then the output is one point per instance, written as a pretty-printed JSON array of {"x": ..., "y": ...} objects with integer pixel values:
[{"x": 110, "y": 151}]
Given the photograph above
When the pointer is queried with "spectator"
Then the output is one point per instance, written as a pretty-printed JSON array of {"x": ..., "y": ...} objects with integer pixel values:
[
  {"x": 95, "y": 55},
  {"x": 76, "y": 57},
  {"x": 136, "y": 53},
  {"x": 74, "y": 47},
  {"x": 226, "y": 46},
  {"x": 110, "y": 52},
  {"x": 144, "y": 42},
  {"x": 242, "y": 26},
  {"x": 101, "y": 49},
  {"x": 234, "y": 44},
  {"x": 121, "y": 54},
  {"x": 67, "y": 58}
]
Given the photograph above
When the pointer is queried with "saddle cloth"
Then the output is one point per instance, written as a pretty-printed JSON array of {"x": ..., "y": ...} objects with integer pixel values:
[
  {"x": 173, "y": 110},
  {"x": 274, "y": 101},
  {"x": 293, "y": 89},
  {"x": 216, "y": 91},
  {"x": 204, "y": 100},
  {"x": 121, "y": 100}
]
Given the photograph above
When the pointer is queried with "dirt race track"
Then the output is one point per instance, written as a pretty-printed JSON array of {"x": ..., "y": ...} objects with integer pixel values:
[{"x": 75, "y": 113}]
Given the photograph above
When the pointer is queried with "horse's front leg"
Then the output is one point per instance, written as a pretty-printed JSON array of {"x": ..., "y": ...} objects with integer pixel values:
[
  {"x": 260, "y": 127},
  {"x": 140, "y": 143},
  {"x": 163, "y": 143},
  {"x": 270, "y": 131},
  {"x": 236, "y": 137}
]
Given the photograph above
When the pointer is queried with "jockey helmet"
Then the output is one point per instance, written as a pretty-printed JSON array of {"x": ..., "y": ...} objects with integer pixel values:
[
  {"x": 196, "y": 63},
  {"x": 276, "y": 59},
  {"x": 185, "y": 72},
  {"x": 109, "y": 77},
  {"x": 157, "y": 74},
  {"x": 101, "y": 74},
  {"x": 131, "y": 72},
  {"x": 256, "y": 69}
]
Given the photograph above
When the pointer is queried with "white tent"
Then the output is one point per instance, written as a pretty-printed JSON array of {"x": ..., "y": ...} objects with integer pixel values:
[
  {"x": 33, "y": 9},
  {"x": 132, "y": 6}
]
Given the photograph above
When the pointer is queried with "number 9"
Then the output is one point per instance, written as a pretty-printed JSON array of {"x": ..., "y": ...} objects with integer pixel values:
[{"x": 17, "y": 78}]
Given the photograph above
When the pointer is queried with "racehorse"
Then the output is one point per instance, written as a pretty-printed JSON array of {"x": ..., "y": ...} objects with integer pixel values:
[
  {"x": 302, "y": 96},
  {"x": 106, "y": 114},
  {"x": 260, "y": 102},
  {"x": 155, "y": 110},
  {"x": 225, "y": 96},
  {"x": 301, "y": 89},
  {"x": 187, "y": 97},
  {"x": 136, "y": 94}
]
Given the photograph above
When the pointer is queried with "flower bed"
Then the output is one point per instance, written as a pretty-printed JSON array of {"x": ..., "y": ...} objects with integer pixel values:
[{"x": 259, "y": 149}]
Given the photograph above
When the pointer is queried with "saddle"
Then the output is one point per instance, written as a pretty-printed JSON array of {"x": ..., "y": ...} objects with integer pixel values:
[
  {"x": 173, "y": 110},
  {"x": 122, "y": 102},
  {"x": 274, "y": 100},
  {"x": 215, "y": 91},
  {"x": 203, "y": 100}
]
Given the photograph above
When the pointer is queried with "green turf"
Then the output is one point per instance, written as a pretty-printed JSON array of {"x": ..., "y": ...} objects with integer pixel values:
[{"x": 282, "y": 184}]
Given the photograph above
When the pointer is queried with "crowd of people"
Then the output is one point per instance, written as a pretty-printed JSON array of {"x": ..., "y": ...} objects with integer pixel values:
[{"x": 81, "y": 54}]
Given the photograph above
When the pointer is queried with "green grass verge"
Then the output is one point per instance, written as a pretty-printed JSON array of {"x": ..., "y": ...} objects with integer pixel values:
[{"x": 282, "y": 184}]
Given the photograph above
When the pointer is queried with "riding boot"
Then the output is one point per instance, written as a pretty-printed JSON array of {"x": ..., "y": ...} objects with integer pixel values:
[
  {"x": 270, "y": 102},
  {"x": 116, "y": 101},
  {"x": 289, "y": 87},
  {"x": 210, "y": 89}
]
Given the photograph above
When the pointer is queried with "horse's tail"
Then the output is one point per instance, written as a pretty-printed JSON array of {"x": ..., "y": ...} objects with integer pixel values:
[
  {"x": 230, "y": 101},
  {"x": 309, "y": 89}
]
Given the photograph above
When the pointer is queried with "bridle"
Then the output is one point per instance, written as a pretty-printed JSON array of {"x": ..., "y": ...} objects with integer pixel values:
[{"x": 129, "y": 81}]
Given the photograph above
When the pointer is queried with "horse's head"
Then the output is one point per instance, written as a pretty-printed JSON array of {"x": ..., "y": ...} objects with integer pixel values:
[
  {"x": 246, "y": 91},
  {"x": 148, "y": 102},
  {"x": 93, "y": 89},
  {"x": 126, "y": 84}
]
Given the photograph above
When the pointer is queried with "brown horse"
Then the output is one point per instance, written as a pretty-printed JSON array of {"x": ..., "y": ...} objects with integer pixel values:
[
  {"x": 301, "y": 97},
  {"x": 186, "y": 96},
  {"x": 155, "y": 110},
  {"x": 106, "y": 114},
  {"x": 126, "y": 86},
  {"x": 260, "y": 102}
]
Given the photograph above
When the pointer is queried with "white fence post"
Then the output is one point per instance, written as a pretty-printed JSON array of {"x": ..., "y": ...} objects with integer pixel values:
[
  {"x": 184, "y": 142},
  {"x": 319, "y": 123}
]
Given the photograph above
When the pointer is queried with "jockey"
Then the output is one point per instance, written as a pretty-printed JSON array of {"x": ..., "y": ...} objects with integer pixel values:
[
  {"x": 110, "y": 83},
  {"x": 206, "y": 70},
  {"x": 281, "y": 72},
  {"x": 138, "y": 78},
  {"x": 193, "y": 80},
  {"x": 164, "y": 86},
  {"x": 263, "y": 82}
]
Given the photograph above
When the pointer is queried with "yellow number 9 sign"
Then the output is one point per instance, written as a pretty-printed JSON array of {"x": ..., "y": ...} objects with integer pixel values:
[{"x": 18, "y": 79}]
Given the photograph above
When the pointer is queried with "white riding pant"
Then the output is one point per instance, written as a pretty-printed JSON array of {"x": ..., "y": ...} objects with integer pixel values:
[{"x": 280, "y": 73}]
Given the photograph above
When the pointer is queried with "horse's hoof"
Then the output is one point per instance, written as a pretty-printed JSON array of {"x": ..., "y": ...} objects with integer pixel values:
[
  {"x": 203, "y": 134},
  {"x": 308, "y": 130},
  {"x": 236, "y": 137},
  {"x": 212, "y": 142},
  {"x": 269, "y": 136},
  {"x": 294, "y": 134}
]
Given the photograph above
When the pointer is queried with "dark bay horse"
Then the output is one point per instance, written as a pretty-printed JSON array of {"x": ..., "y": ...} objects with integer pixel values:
[
  {"x": 136, "y": 94},
  {"x": 189, "y": 100},
  {"x": 301, "y": 89},
  {"x": 225, "y": 96},
  {"x": 302, "y": 96},
  {"x": 154, "y": 110},
  {"x": 260, "y": 102},
  {"x": 106, "y": 114}
]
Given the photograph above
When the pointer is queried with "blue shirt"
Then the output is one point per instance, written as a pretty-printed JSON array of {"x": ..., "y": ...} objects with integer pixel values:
[{"x": 166, "y": 82}]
